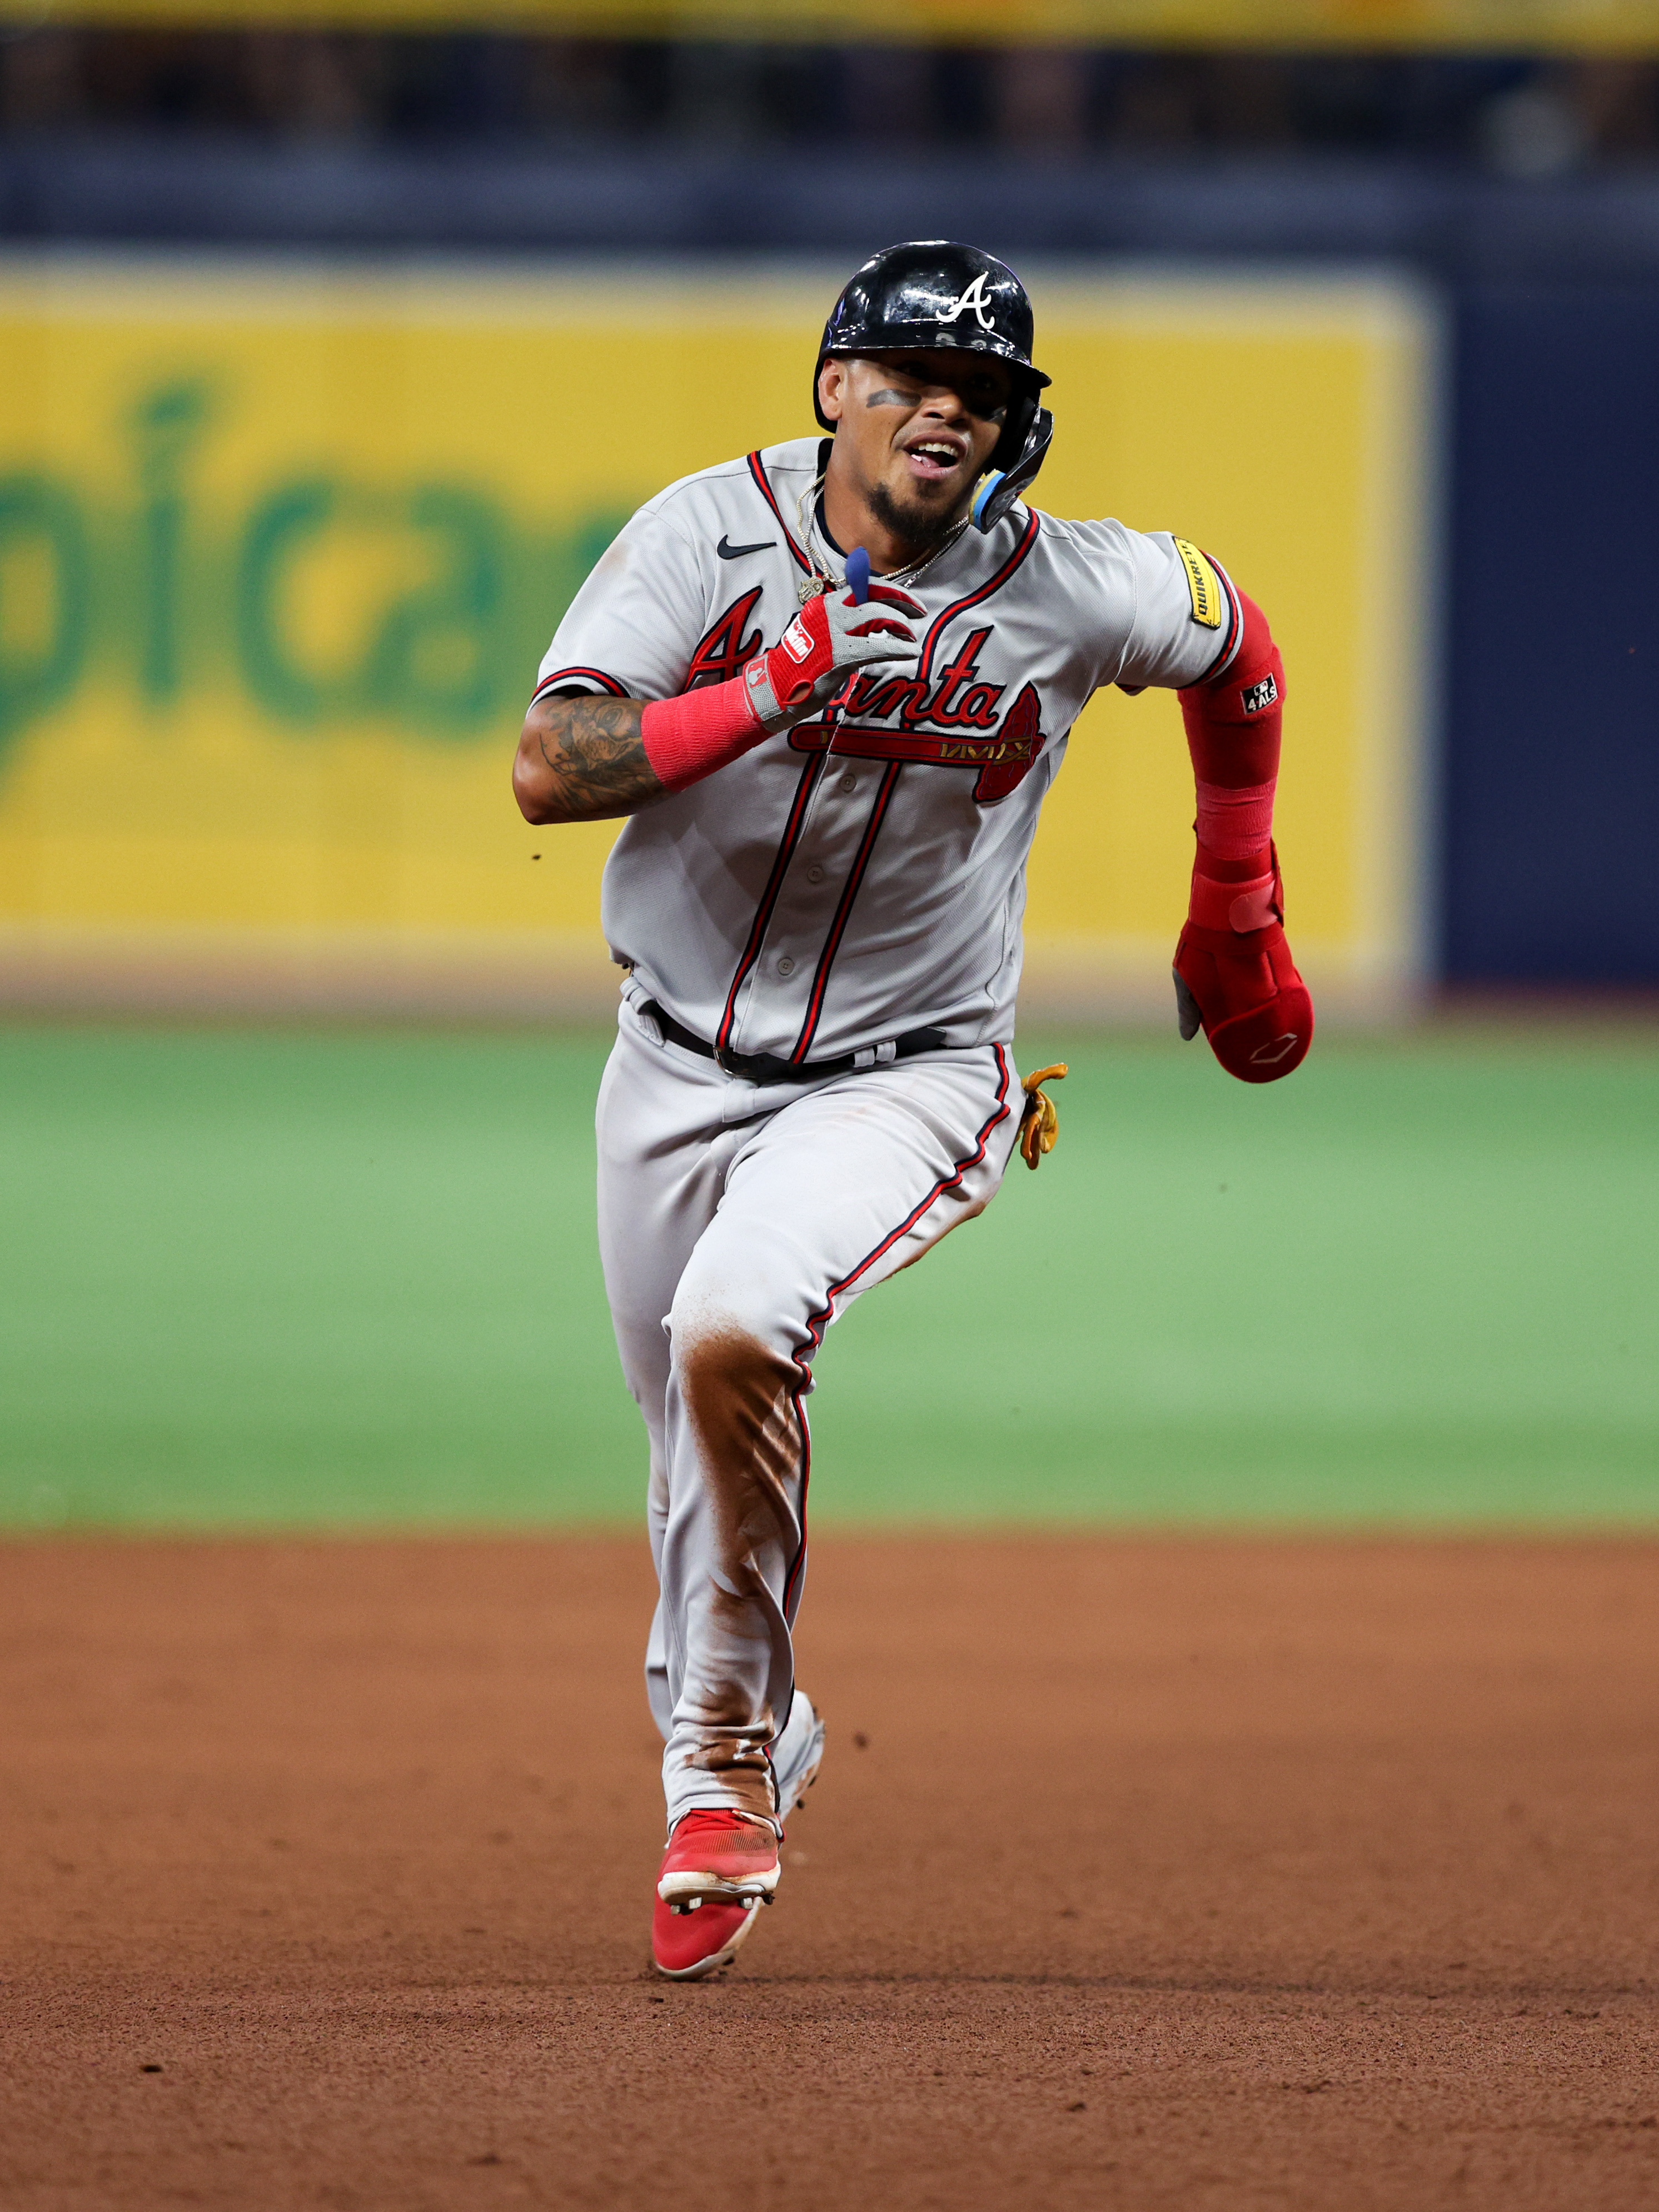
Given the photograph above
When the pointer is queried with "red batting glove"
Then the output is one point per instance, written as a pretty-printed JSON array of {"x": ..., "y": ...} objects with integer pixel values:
[
  {"x": 832, "y": 637},
  {"x": 1235, "y": 978}
]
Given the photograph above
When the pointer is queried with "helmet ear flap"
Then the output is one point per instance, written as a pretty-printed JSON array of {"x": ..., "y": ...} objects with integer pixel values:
[
  {"x": 1003, "y": 486},
  {"x": 1017, "y": 427}
]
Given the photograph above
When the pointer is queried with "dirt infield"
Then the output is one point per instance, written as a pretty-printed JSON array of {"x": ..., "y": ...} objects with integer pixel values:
[{"x": 1173, "y": 1874}]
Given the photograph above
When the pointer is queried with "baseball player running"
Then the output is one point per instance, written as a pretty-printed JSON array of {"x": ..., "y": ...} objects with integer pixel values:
[{"x": 829, "y": 684}]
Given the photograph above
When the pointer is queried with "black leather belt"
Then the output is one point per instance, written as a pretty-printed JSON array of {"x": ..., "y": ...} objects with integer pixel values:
[{"x": 767, "y": 1067}]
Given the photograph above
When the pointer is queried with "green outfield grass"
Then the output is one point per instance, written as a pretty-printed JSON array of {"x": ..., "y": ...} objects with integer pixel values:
[{"x": 345, "y": 1279}]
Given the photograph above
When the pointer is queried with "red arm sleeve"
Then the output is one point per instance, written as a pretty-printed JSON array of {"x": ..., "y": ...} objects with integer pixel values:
[
  {"x": 1234, "y": 974},
  {"x": 1233, "y": 724}
]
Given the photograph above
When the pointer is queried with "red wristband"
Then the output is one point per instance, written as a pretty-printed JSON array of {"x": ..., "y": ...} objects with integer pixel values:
[{"x": 688, "y": 738}]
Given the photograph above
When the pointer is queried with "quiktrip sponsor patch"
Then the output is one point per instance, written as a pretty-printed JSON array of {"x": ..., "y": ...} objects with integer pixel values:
[{"x": 1209, "y": 600}]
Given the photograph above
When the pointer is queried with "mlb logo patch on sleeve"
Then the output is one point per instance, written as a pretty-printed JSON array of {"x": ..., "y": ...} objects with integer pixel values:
[
  {"x": 1208, "y": 599},
  {"x": 1257, "y": 695}
]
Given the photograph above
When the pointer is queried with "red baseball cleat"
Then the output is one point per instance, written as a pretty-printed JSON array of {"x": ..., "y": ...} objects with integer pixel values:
[
  {"x": 718, "y": 1871},
  {"x": 686, "y": 1944}
]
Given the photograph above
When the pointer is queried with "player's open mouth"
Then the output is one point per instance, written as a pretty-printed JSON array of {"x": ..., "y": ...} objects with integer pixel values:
[{"x": 933, "y": 459}]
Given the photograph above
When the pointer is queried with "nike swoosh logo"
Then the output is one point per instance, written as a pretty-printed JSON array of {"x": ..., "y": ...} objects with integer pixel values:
[{"x": 727, "y": 551}]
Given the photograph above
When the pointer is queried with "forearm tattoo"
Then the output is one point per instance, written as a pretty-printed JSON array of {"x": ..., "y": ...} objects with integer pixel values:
[{"x": 593, "y": 759}]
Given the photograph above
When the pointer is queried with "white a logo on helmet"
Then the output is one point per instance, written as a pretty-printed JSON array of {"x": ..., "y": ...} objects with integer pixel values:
[{"x": 973, "y": 297}]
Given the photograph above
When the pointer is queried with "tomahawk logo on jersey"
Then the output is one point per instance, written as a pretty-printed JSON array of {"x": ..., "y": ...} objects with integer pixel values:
[{"x": 869, "y": 863}]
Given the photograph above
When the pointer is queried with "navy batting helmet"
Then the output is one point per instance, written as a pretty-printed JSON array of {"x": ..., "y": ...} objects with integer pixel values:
[{"x": 933, "y": 296}]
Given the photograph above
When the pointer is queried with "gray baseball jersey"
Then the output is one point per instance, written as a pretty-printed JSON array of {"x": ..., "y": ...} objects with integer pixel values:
[{"x": 863, "y": 874}]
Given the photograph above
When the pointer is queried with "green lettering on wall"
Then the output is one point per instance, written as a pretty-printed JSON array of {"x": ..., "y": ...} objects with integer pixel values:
[
  {"x": 276, "y": 531},
  {"x": 165, "y": 425},
  {"x": 165, "y": 594},
  {"x": 39, "y": 514},
  {"x": 437, "y": 659}
]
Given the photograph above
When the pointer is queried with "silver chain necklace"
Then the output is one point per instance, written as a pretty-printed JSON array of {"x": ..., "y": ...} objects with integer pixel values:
[{"x": 821, "y": 579}]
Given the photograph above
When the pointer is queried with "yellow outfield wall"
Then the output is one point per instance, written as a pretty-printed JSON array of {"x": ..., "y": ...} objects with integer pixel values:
[{"x": 279, "y": 553}]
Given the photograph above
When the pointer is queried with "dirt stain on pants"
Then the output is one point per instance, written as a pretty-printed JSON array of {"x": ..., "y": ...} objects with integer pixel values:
[{"x": 743, "y": 1412}]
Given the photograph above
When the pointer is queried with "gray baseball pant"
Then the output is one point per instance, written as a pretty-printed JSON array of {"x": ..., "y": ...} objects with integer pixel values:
[{"x": 736, "y": 1221}]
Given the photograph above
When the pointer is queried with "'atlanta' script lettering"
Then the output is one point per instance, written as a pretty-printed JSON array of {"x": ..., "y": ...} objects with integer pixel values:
[
  {"x": 955, "y": 700},
  {"x": 1003, "y": 761}
]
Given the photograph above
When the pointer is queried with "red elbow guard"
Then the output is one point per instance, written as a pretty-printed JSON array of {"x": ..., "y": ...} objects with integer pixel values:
[{"x": 1234, "y": 719}]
